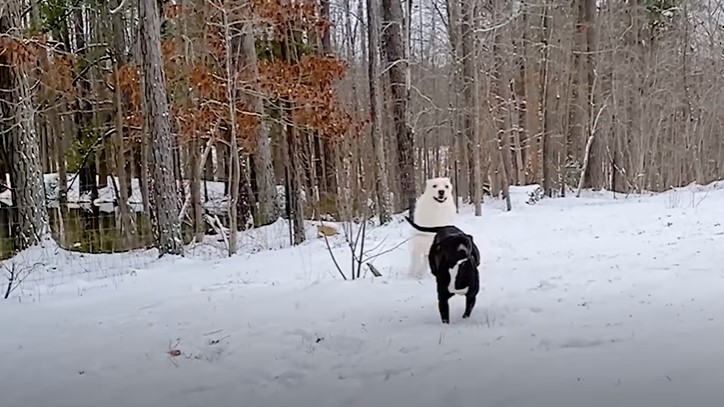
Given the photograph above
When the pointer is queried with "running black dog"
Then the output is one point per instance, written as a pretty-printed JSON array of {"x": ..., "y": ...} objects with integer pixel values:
[{"x": 454, "y": 259}]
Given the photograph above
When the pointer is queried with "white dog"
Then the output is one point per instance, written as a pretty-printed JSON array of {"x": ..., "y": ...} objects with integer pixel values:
[{"x": 435, "y": 207}]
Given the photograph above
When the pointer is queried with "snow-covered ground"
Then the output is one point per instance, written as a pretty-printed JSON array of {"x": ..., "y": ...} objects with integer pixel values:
[{"x": 589, "y": 302}]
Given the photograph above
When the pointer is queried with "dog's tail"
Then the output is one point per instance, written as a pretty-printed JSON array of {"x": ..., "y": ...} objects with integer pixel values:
[{"x": 424, "y": 228}]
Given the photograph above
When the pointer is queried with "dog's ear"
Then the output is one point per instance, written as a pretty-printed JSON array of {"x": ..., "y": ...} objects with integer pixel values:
[{"x": 463, "y": 247}]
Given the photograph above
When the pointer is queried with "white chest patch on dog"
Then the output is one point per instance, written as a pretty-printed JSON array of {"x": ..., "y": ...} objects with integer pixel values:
[{"x": 453, "y": 276}]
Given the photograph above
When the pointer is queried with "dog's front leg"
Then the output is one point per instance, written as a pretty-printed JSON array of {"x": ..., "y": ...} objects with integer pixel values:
[
  {"x": 416, "y": 259},
  {"x": 443, "y": 295},
  {"x": 469, "y": 305}
]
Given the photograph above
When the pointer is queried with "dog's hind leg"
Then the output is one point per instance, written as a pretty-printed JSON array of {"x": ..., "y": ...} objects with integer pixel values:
[{"x": 471, "y": 296}]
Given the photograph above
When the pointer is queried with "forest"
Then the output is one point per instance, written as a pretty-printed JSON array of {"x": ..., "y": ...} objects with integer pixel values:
[{"x": 152, "y": 123}]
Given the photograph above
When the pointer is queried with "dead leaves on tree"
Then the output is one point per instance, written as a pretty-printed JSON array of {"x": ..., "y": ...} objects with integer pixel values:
[
  {"x": 197, "y": 84},
  {"x": 309, "y": 86},
  {"x": 290, "y": 15},
  {"x": 26, "y": 54},
  {"x": 19, "y": 52}
]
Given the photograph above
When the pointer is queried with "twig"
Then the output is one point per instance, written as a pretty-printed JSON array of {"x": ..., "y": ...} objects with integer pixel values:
[
  {"x": 386, "y": 251},
  {"x": 16, "y": 276},
  {"x": 362, "y": 246},
  {"x": 374, "y": 270},
  {"x": 334, "y": 259},
  {"x": 11, "y": 279},
  {"x": 117, "y": 9}
]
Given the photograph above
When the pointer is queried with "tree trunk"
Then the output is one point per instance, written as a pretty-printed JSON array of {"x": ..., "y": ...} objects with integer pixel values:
[
  {"x": 594, "y": 177},
  {"x": 87, "y": 174},
  {"x": 124, "y": 211},
  {"x": 502, "y": 69},
  {"x": 28, "y": 194},
  {"x": 268, "y": 211},
  {"x": 165, "y": 205},
  {"x": 293, "y": 182},
  {"x": 381, "y": 186},
  {"x": 235, "y": 164},
  {"x": 127, "y": 228},
  {"x": 471, "y": 94},
  {"x": 234, "y": 177},
  {"x": 393, "y": 44},
  {"x": 552, "y": 134},
  {"x": 195, "y": 189},
  {"x": 532, "y": 78},
  {"x": 246, "y": 195},
  {"x": 460, "y": 144}
]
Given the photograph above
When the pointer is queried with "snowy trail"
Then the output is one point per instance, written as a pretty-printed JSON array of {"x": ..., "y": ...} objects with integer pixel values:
[{"x": 586, "y": 303}]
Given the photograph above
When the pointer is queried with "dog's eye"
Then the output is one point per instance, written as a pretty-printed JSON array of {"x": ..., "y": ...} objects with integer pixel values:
[
  {"x": 434, "y": 186},
  {"x": 447, "y": 186}
]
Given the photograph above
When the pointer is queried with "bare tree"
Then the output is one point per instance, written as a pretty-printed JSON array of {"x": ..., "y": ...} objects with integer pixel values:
[
  {"x": 123, "y": 189},
  {"x": 268, "y": 210},
  {"x": 18, "y": 130},
  {"x": 471, "y": 95},
  {"x": 164, "y": 201},
  {"x": 393, "y": 45},
  {"x": 383, "y": 190},
  {"x": 229, "y": 24}
]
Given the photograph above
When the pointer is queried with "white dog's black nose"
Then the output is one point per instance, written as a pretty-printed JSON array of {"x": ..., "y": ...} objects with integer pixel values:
[{"x": 441, "y": 193}]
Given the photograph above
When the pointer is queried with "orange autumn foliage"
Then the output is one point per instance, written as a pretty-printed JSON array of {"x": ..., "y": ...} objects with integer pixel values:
[
  {"x": 16, "y": 52},
  {"x": 198, "y": 85},
  {"x": 129, "y": 81},
  {"x": 283, "y": 15},
  {"x": 55, "y": 73},
  {"x": 308, "y": 85},
  {"x": 60, "y": 78}
]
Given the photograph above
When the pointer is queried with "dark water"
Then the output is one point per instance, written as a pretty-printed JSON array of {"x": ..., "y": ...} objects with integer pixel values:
[
  {"x": 87, "y": 229},
  {"x": 90, "y": 230}
]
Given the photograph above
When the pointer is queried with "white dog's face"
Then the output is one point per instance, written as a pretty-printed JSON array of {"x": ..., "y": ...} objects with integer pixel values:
[{"x": 440, "y": 189}]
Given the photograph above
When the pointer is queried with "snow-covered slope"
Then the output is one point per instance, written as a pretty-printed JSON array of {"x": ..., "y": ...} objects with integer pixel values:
[{"x": 587, "y": 302}]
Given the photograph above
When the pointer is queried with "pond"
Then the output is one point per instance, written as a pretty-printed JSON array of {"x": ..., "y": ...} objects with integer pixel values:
[{"x": 87, "y": 228}]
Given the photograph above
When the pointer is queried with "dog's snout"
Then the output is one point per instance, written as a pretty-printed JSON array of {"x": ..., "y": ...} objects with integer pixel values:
[{"x": 441, "y": 192}]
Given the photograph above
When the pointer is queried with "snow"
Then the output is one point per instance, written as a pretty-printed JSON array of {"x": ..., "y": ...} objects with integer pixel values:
[
  {"x": 588, "y": 302},
  {"x": 217, "y": 200},
  {"x": 107, "y": 194}
]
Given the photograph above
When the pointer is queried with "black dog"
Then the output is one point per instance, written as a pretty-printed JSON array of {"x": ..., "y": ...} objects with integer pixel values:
[{"x": 454, "y": 259}]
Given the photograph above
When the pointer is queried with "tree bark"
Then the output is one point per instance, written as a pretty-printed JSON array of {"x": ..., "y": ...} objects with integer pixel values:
[
  {"x": 471, "y": 94},
  {"x": 127, "y": 228},
  {"x": 502, "y": 70},
  {"x": 267, "y": 211},
  {"x": 292, "y": 167},
  {"x": 532, "y": 78},
  {"x": 594, "y": 178},
  {"x": 82, "y": 116},
  {"x": 393, "y": 44},
  {"x": 231, "y": 97},
  {"x": 381, "y": 186},
  {"x": 28, "y": 193},
  {"x": 165, "y": 205}
]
